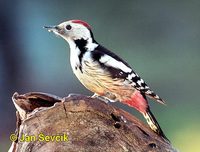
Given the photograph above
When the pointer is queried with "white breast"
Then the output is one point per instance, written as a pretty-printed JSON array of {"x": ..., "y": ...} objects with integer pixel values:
[
  {"x": 77, "y": 66},
  {"x": 90, "y": 70},
  {"x": 74, "y": 60}
]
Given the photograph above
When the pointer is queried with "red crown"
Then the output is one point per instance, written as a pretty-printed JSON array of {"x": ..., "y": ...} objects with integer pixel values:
[{"x": 82, "y": 22}]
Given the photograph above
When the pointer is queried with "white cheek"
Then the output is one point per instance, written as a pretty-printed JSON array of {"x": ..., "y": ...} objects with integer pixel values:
[{"x": 81, "y": 33}]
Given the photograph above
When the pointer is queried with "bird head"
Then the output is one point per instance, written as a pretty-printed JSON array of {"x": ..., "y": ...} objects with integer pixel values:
[{"x": 72, "y": 30}]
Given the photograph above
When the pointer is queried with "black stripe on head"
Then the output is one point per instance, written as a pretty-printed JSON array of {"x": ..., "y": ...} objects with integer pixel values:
[{"x": 81, "y": 44}]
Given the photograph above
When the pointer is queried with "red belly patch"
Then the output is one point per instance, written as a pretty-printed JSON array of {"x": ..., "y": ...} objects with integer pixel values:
[{"x": 137, "y": 101}]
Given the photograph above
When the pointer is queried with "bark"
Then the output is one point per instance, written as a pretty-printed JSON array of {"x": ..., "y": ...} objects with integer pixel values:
[{"x": 85, "y": 124}]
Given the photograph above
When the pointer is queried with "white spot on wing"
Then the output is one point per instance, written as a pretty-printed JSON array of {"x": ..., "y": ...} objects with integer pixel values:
[
  {"x": 120, "y": 73},
  {"x": 91, "y": 46},
  {"x": 130, "y": 76},
  {"x": 133, "y": 84},
  {"x": 140, "y": 82},
  {"x": 148, "y": 92},
  {"x": 109, "y": 61}
]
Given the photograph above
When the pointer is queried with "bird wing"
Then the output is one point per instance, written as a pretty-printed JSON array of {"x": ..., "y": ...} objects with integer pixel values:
[{"x": 119, "y": 69}]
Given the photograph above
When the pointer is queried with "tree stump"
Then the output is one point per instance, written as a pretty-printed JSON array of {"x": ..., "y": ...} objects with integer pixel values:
[{"x": 79, "y": 123}]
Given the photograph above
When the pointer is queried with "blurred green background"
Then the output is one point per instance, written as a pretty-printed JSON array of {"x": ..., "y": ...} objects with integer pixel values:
[{"x": 159, "y": 39}]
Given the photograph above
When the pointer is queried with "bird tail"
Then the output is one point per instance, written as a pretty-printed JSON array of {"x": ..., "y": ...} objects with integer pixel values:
[{"x": 152, "y": 122}]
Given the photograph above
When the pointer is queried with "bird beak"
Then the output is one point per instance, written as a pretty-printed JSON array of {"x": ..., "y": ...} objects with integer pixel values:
[{"x": 54, "y": 29}]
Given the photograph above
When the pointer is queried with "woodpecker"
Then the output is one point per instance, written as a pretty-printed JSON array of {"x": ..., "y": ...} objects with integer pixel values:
[{"x": 104, "y": 73}]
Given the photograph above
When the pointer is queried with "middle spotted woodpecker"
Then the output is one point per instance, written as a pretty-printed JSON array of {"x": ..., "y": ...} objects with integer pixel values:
[{"x": 103, "y": 72}]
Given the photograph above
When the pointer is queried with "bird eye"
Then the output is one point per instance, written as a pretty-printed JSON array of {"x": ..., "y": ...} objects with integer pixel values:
[{"x": 68, "y": 27}]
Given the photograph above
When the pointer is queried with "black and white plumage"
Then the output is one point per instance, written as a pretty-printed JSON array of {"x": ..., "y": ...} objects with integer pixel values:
[
  {"x": 103, "y": 72},
  {"x": 121, "y": 70}
]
